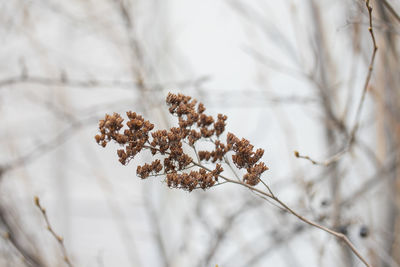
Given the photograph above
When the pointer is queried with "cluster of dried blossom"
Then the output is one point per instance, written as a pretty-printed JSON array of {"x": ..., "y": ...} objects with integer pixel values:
[
  {"x": 134, "y": 138},
  {"x": 194, "y": 125}
]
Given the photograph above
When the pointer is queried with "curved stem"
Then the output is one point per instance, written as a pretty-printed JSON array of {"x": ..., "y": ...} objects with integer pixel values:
[{"x": 272, "y": 196}]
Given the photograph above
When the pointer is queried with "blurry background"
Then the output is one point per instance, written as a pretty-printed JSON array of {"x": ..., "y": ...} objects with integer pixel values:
[{"x": 289, "y": 76}]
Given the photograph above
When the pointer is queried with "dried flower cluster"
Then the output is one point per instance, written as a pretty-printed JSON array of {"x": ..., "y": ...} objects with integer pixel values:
[
  {"x": 246, "y": 158},
  {"x": 133, "y": 138},
  {"x": 176, "y": 165}
]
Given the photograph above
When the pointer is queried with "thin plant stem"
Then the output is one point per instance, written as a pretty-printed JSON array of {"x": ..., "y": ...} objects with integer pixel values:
[
  {"x": 302, "y": 218},
  {"x": 352, "y": 133},
  {"x": 273, "y": 197},
  {"x": 59, "y": 238}
]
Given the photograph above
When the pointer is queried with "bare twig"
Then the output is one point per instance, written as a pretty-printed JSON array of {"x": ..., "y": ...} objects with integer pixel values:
[
  {"x": 59, "y": 238},
  {"x": 326, "y": 162},
  {"x": 353, "y": 131}
]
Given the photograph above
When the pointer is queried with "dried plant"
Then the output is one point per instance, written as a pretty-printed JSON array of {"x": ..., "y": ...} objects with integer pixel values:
[
  {"x": 352, "y": 192},
  {"x": 178, "y": 167}
]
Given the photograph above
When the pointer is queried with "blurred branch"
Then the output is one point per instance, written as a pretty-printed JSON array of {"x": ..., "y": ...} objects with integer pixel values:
[
  {"x": 155, "y": 222},
  {"x": 268, "y": 29},
  {"x": 136, "y": 51},
  {"x": 121, "y": 223},
  {"x": 95, "y": 84},
  {"x": 59, "y": 238},
  {"x": 278, "y": 240},
  {"x": 46, "y": 81},
  {"x": 11, "y": 235},
  {"x": 391, "y": 10},
  {"x": 53, "y": 108},
  {"x": 44, "y": 147},
  {"x": 380, "y": 176},
  {"x": 273, "y": 64},
  {"x": 221, "y": 233}
]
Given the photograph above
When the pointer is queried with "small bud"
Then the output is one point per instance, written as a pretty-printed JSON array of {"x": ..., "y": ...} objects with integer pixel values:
[
  {"x": 36, "y": 200},
  {"x": 364, "y": 231},
  {"x": 325, "y": 202},
  {"x": 296, "y": 154},
  {"x": 6, "y": 235}
]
